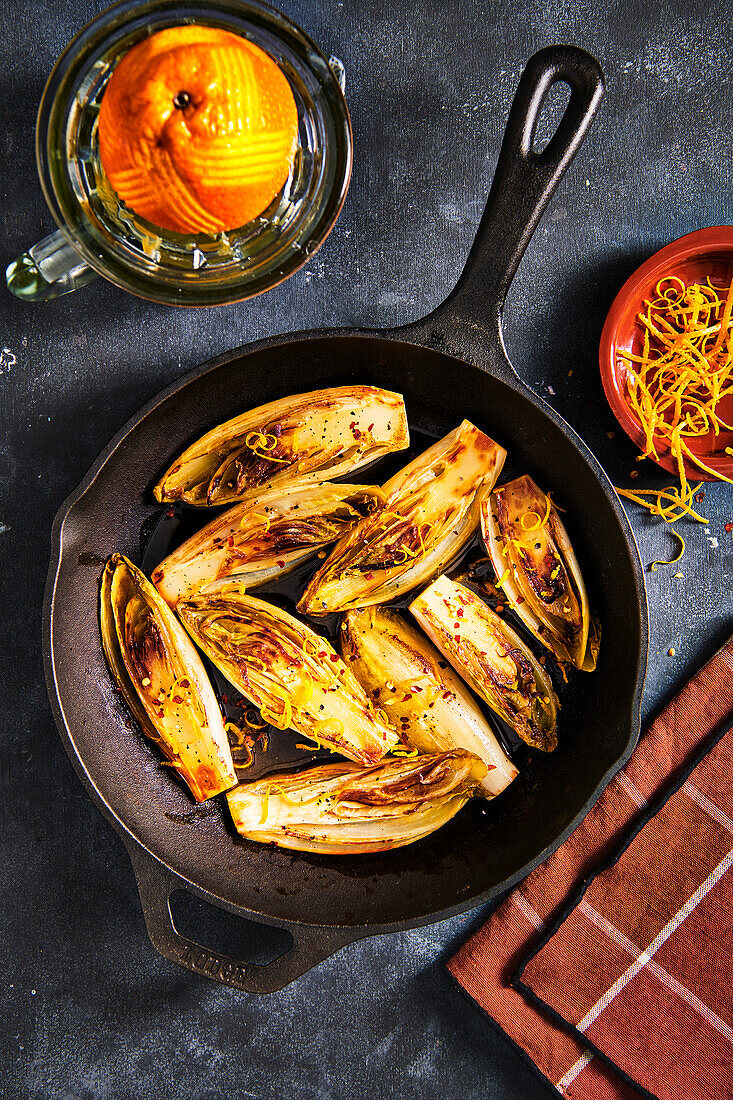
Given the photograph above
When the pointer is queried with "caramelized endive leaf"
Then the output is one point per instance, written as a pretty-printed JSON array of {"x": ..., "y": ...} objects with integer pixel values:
[
  {"x": 319, "y": 436},
  {"x": 342, "y": 809},
  {"x": 491, "y": 658},
  {"x": 539, "y": 572},
  {"x": 162, "y": 679},
  {"x": 431, "y": 511},
  {"x": 424, "y": 699},
  {"x": 293, "y": 675},
  {"x": 265, "y": 538}
]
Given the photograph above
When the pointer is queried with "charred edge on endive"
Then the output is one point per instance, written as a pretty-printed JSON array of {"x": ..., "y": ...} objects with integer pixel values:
[{"x": 162, "y": 679}]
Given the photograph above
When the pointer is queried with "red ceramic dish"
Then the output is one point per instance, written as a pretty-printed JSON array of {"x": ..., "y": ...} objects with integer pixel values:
[{"x": 691, "y": 258}]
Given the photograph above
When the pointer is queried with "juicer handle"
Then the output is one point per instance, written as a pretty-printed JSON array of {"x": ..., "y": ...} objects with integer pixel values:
[{"x": 47, "y": 270}]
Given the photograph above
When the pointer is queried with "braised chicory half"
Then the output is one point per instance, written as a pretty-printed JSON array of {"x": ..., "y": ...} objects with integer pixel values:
[
  {"x": 320, "y": 436},
  {"x": 291, "y": 673},
  {"x": 343, "y": 809},
  {"x": 156, "y": 667},
  {"x": 538, "y": 571},
  {"x": 266, "y": 538},
  {"x": 423, "y": 698},
  {"x": 430, "y": 513},
  {"x": 491, "y": 658}
]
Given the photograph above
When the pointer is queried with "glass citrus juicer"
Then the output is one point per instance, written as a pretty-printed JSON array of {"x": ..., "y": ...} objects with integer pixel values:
[{"x": 100, "y": 235}]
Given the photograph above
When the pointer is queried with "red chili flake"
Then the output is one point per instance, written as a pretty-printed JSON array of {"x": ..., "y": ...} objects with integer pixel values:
[
  {"x": 499, "y": 608},
  {"x": 634, "y": 473},
  {"x": 160, "y": 714},
  {"x": 728, "y": 528},
  {"x": 406, "y": 698},
  {"x": 459, "y": 613},
  {"x": 416, "y": 688},
  {"x": 230, "y": 540},
  {"x": 491, "y": 767},
  {"x": 700, "y": 497},
  {"x": 356, "y": 433},
  {"x": 370, "y": 427},
  {"x": 177, "y": 699},
  {"x": 447, "y": 694},
  {"x": 334, "y": 656},
  {"x": 225, "y": 699},
  {"x": 170, "y": 512},
  {"x": 185, "y": 683},
  {"x": 520, "y": 599},
  {"x": 369, "y": 576},
  {"x": 456, "y": 626},
  {"x": 323, "y": 654}
]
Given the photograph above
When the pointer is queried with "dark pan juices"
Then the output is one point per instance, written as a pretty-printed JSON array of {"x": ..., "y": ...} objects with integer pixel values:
[{"x": 275, "y": 750}]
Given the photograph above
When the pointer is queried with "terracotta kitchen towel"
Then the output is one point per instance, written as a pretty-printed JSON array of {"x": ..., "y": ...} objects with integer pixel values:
[
  {"x": 642, "y": 967},
  {"x": 486, "y": 964}
]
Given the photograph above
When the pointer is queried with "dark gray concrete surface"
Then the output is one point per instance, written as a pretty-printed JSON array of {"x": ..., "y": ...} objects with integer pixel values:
[{"x": 88, "y": 1009}]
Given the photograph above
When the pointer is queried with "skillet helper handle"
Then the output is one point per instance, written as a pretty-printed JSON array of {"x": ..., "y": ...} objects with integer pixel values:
[
  {"x": 525, "y": 179},
  {"x": 156, "y": 883}
]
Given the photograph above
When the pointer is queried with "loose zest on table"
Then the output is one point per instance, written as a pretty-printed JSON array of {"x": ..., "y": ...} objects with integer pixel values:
[{"x": 675, "y": 384}]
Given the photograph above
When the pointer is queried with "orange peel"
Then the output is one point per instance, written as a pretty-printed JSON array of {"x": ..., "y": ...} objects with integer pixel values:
[{"x": 197, "y": 130}]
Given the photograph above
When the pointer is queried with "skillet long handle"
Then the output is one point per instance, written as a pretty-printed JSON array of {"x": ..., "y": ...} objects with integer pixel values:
[
  {"x": 310, "y": 946},
  {"x": 523, "y": 184}
]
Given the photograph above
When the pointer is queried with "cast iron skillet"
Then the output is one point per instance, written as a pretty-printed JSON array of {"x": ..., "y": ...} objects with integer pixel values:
[{"x": 449, "y": 365}]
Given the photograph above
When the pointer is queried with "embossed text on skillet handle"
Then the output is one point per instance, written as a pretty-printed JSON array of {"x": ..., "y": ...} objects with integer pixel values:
[{"x": 310, "y": 945}]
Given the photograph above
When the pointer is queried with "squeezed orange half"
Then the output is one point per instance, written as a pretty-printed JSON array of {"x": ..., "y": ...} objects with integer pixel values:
[{"x": 197, "y": 129}]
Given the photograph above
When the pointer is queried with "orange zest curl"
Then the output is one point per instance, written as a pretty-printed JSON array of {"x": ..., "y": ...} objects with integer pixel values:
[
  {"x": 677, "y": 508},
  {"x": 250, "y": 718},
  {"x": 262, "y": 444},
  {"x": 535, "y": 522},
  {"x": 672, "y": 561}
]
